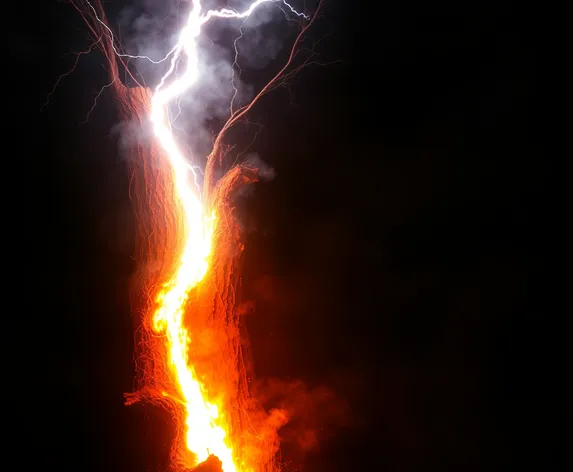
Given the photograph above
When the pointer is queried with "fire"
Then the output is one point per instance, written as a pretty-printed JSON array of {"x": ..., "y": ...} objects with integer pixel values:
[
  {"x": 206, "y": 434},
  {"x": 194, "y": 358}
]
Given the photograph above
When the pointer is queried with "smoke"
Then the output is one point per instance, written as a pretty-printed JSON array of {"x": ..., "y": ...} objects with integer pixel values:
[
  {"x": 150, "y": 28},
  {"x": 313, "y": 414},
  {"x": 143, "y": 28},
  {"x": 265, "y": 171},
  {"x": 261, "y": 39},
  {"x": 130, "y": 133}
]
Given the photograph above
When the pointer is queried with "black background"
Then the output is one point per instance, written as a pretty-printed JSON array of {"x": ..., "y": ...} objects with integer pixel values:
[{"x": 398, "y": 258}]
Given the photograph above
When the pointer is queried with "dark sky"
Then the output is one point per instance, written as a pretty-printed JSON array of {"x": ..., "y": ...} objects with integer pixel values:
[{"x": 398, "y": 258}]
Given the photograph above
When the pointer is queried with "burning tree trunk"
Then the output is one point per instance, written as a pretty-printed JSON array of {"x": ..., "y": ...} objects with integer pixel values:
[{"x": 208, "y": 340}]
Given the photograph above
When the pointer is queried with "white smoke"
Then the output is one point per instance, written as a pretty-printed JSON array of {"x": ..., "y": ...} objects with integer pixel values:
[
  {"x": 150, "y": 28},
  {"x": 265, "y": 171},
  {"x": 262, "y": 40}
]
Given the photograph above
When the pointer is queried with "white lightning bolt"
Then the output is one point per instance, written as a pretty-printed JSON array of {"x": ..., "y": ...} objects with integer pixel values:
[{"x": 204, "y": 434}]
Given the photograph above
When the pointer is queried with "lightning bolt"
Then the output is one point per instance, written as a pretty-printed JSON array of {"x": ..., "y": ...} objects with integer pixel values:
[{"x": 205, "y": 431}]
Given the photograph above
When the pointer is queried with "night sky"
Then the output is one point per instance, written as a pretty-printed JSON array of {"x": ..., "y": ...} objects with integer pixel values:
[{"x": 396, "y": 266}]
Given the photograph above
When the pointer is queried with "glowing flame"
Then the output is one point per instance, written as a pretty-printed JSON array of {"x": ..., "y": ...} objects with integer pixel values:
[{"x": 205, "y": 432}]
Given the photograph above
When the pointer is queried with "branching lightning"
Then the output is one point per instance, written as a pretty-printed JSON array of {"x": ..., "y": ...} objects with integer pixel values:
[
  {"x": 204, "y": 436},
  {"x": 206, "y": 426}
]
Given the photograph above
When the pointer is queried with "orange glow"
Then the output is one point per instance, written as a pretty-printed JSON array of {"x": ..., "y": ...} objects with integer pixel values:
[
  {"x": 192, "y": 356},
  {"x": 206, "y": 429}
]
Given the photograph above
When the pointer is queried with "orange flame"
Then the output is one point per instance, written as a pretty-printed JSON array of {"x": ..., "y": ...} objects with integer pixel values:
[
  {"x": 206, "y": 434},
  {"x": 198, "y": 362}
]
